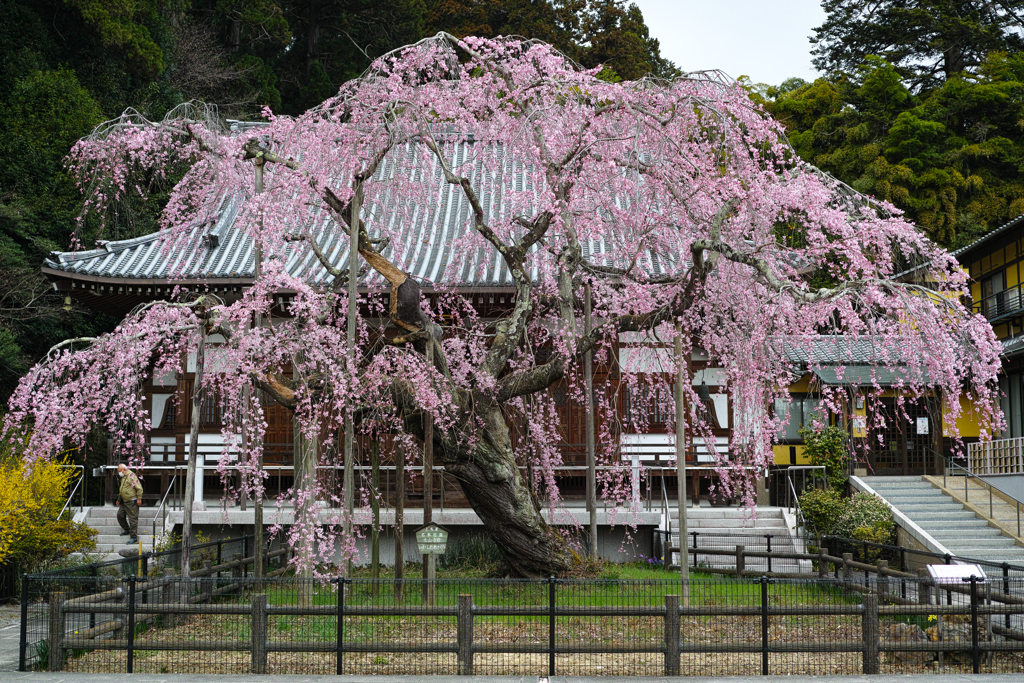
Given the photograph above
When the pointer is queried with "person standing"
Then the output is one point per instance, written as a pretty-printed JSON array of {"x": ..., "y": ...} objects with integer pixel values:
[{"x": 129, "y": 498}]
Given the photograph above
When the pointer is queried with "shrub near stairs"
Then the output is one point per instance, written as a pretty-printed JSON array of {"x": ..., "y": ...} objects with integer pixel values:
[
  {"x": 864, "y": 516},
  {"x": 31, "y": 498}
]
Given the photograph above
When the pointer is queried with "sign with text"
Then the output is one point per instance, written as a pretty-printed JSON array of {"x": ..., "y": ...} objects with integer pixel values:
[{"x": 431, "y": 539}]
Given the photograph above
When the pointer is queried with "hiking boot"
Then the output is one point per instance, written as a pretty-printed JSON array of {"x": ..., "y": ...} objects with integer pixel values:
[
  {"x": 132, "y": 541},
  {"x": 124, "y": 533}
]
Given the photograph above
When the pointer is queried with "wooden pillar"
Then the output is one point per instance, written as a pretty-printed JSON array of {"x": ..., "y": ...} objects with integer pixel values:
[
  {"x": 259, "y": 634},
  {"x": 672, "y": 663},
  {"x": 429, "y": 561},
  {"x": 464, "y": 627},
  {"x": 869, "y": 634}
]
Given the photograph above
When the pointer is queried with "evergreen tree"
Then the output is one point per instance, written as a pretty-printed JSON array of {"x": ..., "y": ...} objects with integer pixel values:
[{"x": 928, "y": 41}]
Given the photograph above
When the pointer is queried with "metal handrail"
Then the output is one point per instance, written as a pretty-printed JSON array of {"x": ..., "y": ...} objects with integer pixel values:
[
  {"x": 71, "y": 495},
  {"x": 162, "y": 506},
  {"x": 968, "y": 474}
]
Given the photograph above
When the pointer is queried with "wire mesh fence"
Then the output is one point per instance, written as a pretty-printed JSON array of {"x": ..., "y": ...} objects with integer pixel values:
[{"x": 726, "y": 626}]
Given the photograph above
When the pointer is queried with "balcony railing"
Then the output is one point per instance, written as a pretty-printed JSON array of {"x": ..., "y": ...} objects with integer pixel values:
[{"x": 1001, "y": 304}]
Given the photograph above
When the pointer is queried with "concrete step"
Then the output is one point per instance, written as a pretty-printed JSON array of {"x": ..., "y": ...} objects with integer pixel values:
[
  {"x": 946, "y": 520},
  {"x": 950, "y": 514},
  {"x": 952, "y": 532}
]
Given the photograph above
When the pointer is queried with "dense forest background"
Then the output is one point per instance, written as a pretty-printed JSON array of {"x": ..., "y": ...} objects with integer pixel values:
[{"x": 921, "y": 102}]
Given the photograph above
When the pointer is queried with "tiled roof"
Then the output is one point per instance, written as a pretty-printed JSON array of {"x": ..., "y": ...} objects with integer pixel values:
[
  {"x": 219, "y": 251},
  {"x": 989, "y": 236}
]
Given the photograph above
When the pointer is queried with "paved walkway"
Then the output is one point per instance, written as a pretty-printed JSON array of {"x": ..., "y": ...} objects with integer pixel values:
[
  {"x": 10, "y": 619},
  {"x": 170, "y": 678}
]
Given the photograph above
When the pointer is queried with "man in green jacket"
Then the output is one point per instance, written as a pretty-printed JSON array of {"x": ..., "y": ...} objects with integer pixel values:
[{"x": 129, "y": 498}]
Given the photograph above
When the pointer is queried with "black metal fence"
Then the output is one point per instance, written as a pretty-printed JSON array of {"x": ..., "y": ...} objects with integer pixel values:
[
  {"x": 239, "y": 624},
  {"x": 911, "y": 559},
  {"x": 713, "y": 551}
]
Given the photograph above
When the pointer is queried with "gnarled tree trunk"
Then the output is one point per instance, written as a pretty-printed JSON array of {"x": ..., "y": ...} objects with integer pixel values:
[{"x": 497, "y": 492}]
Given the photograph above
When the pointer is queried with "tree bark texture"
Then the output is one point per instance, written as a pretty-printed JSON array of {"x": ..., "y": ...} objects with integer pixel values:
[{"x": 497, "y": 492}]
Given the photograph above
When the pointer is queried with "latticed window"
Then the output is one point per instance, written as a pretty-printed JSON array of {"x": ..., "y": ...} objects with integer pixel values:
[
  {"x": 654, "y": 402},
  {"x": 209, "y": 413},
  {"x": 170, "y": 414}
]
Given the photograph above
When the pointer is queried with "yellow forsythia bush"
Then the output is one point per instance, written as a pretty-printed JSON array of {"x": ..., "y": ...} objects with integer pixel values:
[{"x": 31, "y": 497}]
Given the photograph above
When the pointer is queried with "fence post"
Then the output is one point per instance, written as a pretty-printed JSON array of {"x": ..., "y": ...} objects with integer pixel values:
[
  {"x": 694, "y": 549},
  {"x": 259, "y": 634},
  {"x": 23, "y": 642},
  {"x": 768, "y": 538},
  {"x": 131, "y": 624},
  {"x": 869, "y": 633},
  {"x": 465, "y": 634},
  {"x": 1006, "y": 587},
  {"x": 975, "y": 650},
  {"x": 740, "y": 562},
  {"x": 96, "y": 587},
  {"x": 822, "y": 565},
  {"x": 847, "y": 569},
  {"x": 924, "y": 588},
  {"x": 206, "y": 584},
  {"x": 671, "y": 635},
  {"x": 167, "y": 597},
  {"x": 551, "y": 626},
  {"x": 237, "y": 571},
  {"x": 881, "y": 567},
  {"x": 340, "y": 628},
  {"x": 764, "y": 625},
  {"x": 55, "y": 661}
]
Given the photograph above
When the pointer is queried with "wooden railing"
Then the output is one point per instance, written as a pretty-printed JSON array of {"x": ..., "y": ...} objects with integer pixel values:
[{"x": 1001, "y": 456}]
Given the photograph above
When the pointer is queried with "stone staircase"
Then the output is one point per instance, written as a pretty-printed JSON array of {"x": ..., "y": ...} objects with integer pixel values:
[
  {"x": 726, "y": 528},
  {"x": 961, "y": 531},
  {"x": 108, "y": 538}
]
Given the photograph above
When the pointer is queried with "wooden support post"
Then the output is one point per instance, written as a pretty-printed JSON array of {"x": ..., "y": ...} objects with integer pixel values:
[
  {"x": 682, "y": 377},
  {"x": 924, "y": 588},
  {"x": 465, "y": 635},
  {"x": 168, "y": 596},
  {"x": 56, "y": 628},
  {"x": 349, "y": 482},
  {"x": 259, "y": 634},
  {"x": 206, "y": 583},
  {"x": 399, "y": 520},
  {"x": 822, "y": 565},
  {"x": 847, "y": 569},
  {"x": 672, "y": 635},
  {"x": 237, "y": 571},
  {"x": 869, "y": 633},
  {"x": 883, "y": 580},
  {"x": 740, "y": 561},
  {"x": 259, "y": 561},
  {"x": 588, "y": 372},
  {"x": 375, "y": 508},
  {"x": 429, "y": 560},
  {"x": 193, "y": 455}
]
